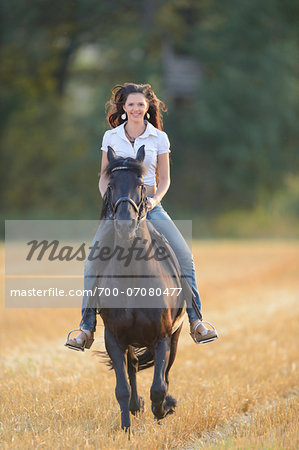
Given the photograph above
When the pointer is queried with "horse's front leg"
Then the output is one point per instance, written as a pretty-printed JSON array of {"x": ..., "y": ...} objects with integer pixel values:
[
  {"x": 159, "y": 387},
  {"x": 136, "y": 402},
  {"x": 122, "y": 389}
]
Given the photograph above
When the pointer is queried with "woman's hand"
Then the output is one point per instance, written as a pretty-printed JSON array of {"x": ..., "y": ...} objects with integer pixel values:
[{"x": 151, "y": 202}]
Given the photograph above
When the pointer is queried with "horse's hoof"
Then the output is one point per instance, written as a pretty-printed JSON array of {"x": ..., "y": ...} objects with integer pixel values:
[
  {"x": 157, "y": 421},
  {"x": 127, "y": 430}
]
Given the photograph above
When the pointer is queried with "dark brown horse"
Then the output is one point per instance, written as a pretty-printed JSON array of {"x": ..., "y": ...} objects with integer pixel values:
[{"x": 142, "y": 318}]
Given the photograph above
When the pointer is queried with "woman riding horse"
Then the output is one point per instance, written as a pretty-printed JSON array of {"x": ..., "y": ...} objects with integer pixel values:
[{"x": 135, "y": 118}]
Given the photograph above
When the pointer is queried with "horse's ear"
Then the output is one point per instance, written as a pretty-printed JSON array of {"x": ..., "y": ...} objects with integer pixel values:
[
  {"x": 141, "y": 154},
  {"x": 111, "y": 154}
]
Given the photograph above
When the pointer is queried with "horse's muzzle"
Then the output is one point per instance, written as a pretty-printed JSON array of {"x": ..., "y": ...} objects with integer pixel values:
[{"x": 125, "y": 228}]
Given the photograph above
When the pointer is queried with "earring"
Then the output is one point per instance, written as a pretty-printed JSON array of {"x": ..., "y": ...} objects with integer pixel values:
[
  {"x": 148, "y": 116},
  {"x": 124, "y": 116}
]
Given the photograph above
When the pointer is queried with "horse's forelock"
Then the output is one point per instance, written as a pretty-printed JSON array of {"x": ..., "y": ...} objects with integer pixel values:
[{"x": 137, "y": 166}]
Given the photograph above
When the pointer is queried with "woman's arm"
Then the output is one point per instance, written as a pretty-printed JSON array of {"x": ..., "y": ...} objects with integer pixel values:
[
  {"x": 103, "y": 181},
  {"x": 164, "y": 180}
]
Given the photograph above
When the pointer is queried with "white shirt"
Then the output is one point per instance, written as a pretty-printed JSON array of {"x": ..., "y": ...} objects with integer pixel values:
[{"x": 156, "y": 143}]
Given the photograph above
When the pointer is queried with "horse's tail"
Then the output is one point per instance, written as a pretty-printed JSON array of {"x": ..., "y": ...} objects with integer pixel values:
[{"x": 145, "y": 358}]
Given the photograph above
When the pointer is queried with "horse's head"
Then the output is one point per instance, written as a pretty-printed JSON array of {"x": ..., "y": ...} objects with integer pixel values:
[{"x": 124, "y": 200}]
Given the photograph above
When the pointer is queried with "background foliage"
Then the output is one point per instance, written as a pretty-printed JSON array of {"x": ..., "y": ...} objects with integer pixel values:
[{"x": 234, "y": 140}]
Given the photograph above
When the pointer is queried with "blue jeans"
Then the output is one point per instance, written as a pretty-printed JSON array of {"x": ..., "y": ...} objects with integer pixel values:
[{"x": 165, "y": 226}]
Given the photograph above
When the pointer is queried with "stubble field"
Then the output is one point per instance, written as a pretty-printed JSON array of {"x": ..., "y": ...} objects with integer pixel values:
[{"x": 238, "y": 392}]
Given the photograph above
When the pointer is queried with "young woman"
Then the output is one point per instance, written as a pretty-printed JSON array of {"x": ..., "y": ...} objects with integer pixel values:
[{"x": 134, "y": 114}]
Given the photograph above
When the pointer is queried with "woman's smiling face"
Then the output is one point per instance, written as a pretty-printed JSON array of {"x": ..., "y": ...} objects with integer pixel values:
[{"x": 136, "y": 107}]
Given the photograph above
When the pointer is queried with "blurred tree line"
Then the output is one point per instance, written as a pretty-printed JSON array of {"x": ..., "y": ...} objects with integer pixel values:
[{"x": 234, "y": 135}]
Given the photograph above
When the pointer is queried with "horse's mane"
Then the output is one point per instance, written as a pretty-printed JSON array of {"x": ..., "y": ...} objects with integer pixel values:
[{"x": 132, "y": 164}]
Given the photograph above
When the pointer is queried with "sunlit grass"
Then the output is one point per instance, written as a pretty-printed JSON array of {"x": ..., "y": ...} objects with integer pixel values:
[{"x": 239, "y": 392}]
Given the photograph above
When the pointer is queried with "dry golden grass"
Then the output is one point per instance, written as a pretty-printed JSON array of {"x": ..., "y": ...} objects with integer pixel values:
[{"x": 238, "y": 392}]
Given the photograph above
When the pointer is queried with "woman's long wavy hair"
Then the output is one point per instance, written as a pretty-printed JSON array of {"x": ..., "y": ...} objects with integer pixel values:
[{"x": 120, "y": 93}]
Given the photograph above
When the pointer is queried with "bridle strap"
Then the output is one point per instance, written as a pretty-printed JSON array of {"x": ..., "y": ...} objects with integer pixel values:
[
  {"x": 126, "y": 199},
  {"x": 120, "y": 168}
]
